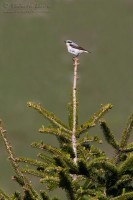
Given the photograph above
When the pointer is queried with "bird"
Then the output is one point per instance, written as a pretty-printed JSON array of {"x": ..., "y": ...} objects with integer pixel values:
[{"x": 74, "y": 48}]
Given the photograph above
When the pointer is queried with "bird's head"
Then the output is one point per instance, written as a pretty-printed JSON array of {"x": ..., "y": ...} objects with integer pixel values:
[{"x": 68, "y": 42}]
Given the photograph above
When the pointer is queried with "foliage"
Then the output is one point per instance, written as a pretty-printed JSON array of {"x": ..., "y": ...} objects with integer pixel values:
[{"x": 77, "y": 166}]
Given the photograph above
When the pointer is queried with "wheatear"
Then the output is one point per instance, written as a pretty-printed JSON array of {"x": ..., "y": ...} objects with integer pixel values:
[{"x": 75, "y": 49}]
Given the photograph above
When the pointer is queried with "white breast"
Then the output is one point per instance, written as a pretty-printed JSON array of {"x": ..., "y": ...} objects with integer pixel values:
[{"x": 74, "y": 51}]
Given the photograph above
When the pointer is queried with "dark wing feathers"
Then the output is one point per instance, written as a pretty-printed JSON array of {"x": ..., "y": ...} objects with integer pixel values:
[{"x": 77, "y": 47}]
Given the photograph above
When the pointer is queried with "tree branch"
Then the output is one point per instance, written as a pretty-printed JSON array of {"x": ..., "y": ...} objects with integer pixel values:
[{"x": 74, "y": 98}]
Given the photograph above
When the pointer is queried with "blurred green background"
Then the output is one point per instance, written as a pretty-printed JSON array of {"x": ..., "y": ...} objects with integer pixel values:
[{"x": 35, "y": 65}]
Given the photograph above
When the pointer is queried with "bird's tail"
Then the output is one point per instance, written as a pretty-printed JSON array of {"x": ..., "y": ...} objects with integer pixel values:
[{"x": 86, "y": 51}]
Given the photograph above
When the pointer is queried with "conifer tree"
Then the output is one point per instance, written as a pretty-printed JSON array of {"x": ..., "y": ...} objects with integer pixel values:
[{"x": 76, "y": 166}]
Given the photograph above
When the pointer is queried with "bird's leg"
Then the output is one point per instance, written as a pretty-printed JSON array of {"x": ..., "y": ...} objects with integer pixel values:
[
  {"x": 76, "y": 57},
  {"x": 75, "y": 60}
]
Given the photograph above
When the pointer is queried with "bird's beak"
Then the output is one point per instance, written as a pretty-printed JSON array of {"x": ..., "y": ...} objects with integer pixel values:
[{"x": 65, "y": 41}]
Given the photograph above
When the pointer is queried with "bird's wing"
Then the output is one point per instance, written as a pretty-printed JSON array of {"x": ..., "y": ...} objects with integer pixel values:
[
  {"x": 74, "y": 44},
  {"x": 77, "y": 47}
]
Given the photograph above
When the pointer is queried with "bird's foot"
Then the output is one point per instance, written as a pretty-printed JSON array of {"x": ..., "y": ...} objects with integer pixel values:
[{"x": 75, "y": 60}]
